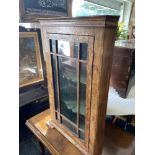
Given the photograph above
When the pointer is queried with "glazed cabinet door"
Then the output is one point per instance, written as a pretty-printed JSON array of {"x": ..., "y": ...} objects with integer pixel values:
[{"x": 71, "y": 59}]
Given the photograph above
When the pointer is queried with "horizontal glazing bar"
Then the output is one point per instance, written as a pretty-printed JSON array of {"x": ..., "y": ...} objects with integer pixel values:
[
  {"x": 69, "y": 121},
  {"x": 83, "y": 61}
]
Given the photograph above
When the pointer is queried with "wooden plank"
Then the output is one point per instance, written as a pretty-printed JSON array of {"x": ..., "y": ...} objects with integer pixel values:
[
  {"x": 32, "y": 95},
  {"x": 78, "y": 91},
  {"x": 93, "y": 21},
  {"x": 71, "y": 38},
  {"x": 123, "y": 60},
  {"x": 49, "y": 72},
  {"x": 70, "y": 136},
  {"x": 123, "y": 52},
  {"x": 69, "y": 7},
  {"x": 89, "y": 89},
  {"x": 58, "y": 83}
]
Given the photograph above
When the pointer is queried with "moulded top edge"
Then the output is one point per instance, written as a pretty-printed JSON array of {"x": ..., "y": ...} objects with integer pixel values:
[
  {"x": 98, "y": 21},
  {"x": 85, "y": 18}
]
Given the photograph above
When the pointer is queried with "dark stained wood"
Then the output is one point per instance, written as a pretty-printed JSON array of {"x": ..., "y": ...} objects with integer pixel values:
[
  {"x": 96, "y": 21},
  {"x": 116, "y": 140},
  {"x": 99, "y": 33},
  {"x": 32, "y": 11},
  {"x": 123, "y": 60},
  {"x": 32, "y": 95}
]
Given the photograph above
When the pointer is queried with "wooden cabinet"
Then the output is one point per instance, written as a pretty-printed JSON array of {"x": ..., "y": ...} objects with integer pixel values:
[
  {"x": 122, "y": 66},
  {"x": 78, "y": 53}
]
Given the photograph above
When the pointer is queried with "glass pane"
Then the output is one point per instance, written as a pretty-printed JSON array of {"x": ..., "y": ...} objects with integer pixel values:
[
  {"x": 69, "y": 49},
  {"x": 83, "y": 51},
  {"x": 53, "y": 61},
  {"x": 82, "y": 95},
  {"x": 69, "y": 126},
  {"x": 68, "y": 88},
  {"x": 53, "y": 45},
  {"x": 28, "y": 68},
  {"x": 68, "y": 76},
  {"x": 91, "y": 9},
  {"x": 81, "y": 135},
  {"x": 64, "y": 48}
]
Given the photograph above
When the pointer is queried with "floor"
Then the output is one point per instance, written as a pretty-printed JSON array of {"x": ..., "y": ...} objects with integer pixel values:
[
  {"x": 118, "y": 140},
  {"x": 28, "y": 145}
]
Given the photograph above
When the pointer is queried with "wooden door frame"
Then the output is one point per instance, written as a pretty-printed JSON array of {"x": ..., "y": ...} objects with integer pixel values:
[{"x": 81, "y": 39}]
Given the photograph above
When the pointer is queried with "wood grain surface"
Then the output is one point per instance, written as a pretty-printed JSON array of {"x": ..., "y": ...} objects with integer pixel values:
[{"x": 116, "y": 140}]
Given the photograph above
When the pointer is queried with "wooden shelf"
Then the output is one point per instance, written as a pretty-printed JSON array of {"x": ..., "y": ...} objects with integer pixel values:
[{"x": 32, "y": 95}]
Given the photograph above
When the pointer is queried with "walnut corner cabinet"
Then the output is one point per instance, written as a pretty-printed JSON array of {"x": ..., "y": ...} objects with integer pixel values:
[{"x": 78, "y": 54}]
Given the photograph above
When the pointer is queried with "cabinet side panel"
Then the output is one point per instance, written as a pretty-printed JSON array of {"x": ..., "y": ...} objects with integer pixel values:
[
  {"x": 104, "y": 43},
  {"x": 98, "y": 48}
]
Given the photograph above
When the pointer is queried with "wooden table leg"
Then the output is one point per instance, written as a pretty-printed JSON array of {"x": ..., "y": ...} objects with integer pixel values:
[{"x": 42, "y": 148}]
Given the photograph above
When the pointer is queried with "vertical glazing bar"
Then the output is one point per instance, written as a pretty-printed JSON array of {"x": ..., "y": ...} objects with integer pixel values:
[
  {"x": 78, "y": 87},
  {"x": 58, "y": 84}
]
